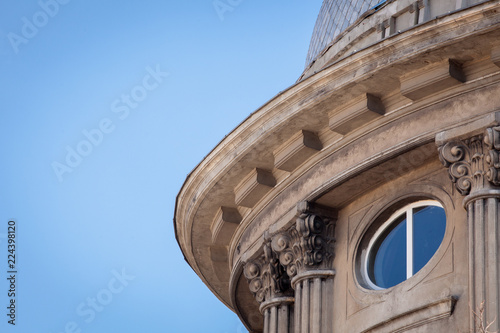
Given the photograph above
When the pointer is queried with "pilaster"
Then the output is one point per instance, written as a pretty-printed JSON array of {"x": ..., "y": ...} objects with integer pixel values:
[
  {"x": 473, "y": 163},
  {"x": 293, "y": 278},
  {"x": 306, "y": 251},
  {"x": 270, "y": 285}
]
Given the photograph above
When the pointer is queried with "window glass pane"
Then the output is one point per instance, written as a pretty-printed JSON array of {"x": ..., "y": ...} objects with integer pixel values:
[
  {"x": 389, "y": 264},
  {"x": 429, "y": 224}
]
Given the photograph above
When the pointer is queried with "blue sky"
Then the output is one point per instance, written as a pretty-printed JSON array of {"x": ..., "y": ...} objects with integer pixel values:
[{"x": 106, "y": 107}]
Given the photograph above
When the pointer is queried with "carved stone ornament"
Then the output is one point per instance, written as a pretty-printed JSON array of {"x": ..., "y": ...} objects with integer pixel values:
[
  {"x": 266, "y": 277},
  {"x": 492, "y": 140},
  {"x": 308, "y": 245},
  {"x": 474, "y": 163},
  {"x": 465, "y": 162}
]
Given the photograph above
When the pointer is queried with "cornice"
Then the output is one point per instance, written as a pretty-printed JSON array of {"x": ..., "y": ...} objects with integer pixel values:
[
  {"x": 308, "y": 103},
  {"x": 366, "y": 31}
]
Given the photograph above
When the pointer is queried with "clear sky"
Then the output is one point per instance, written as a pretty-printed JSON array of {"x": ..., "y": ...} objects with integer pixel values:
[{"x": 106, "y": 106}]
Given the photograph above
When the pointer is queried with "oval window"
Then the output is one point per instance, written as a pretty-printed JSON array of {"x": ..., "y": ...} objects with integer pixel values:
[{"x": 404, "y": 244}]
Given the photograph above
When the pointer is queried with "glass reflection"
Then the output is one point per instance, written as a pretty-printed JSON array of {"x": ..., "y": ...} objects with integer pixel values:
[
  {"x": 389, "y": 263},
  {"x": 429, "y": 224}
]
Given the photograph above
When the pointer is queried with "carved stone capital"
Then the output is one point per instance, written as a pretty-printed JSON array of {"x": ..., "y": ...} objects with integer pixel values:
[
  {"x": 267, "y": 279},
  {"x": 473, "y": 163},
  {"x": 306, "y": 246},
  {"x": 492, "y": 140},
  {"x": 466, "y": 163}
]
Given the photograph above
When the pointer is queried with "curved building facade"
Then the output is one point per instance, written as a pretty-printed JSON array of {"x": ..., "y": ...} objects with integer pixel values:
[{"x": 366, "y": 197}]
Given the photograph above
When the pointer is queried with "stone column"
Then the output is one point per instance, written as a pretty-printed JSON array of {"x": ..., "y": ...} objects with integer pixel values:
[
  {"x": 306, "y": 251},
  {"x": 270, "y": 286},
  {"x": 473, "y": 165},
  {"x": 278, "y": 315}
]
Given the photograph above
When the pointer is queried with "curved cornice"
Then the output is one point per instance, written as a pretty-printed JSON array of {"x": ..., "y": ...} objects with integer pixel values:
[{"x": 380, "y": 71}]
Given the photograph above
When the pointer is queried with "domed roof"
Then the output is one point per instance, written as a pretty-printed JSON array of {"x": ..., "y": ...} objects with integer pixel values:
[{"x": 334, "y": 17}]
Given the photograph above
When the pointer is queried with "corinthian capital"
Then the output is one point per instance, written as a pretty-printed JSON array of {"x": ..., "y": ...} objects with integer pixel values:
[
  {"x": 473, "y": 163},
  {"x": 492, "y": 140},
  {"x": 465, "y": 162},
  {"x": 267, "y": 279},
  {"x": 308, "y": 245}
]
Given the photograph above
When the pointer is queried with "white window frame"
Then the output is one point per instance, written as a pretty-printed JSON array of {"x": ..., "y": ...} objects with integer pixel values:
[{"x": 408, "y": 210}]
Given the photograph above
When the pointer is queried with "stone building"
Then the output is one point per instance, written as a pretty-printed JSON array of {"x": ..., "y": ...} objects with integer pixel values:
[{"x": 364, "y": 198}]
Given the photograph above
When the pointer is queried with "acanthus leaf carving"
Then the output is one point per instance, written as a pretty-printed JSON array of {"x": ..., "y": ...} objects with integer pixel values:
[
  {"x": 266, "y": 277},
  {"x": 465, "y": 163},
  {"x": 492, "y": 140},
  {"x": 282, "y": 245},
  {"x": 474, "y": 163},
  {"x": 455, "y": 156},
  {"x": 307, "y": 245}
]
